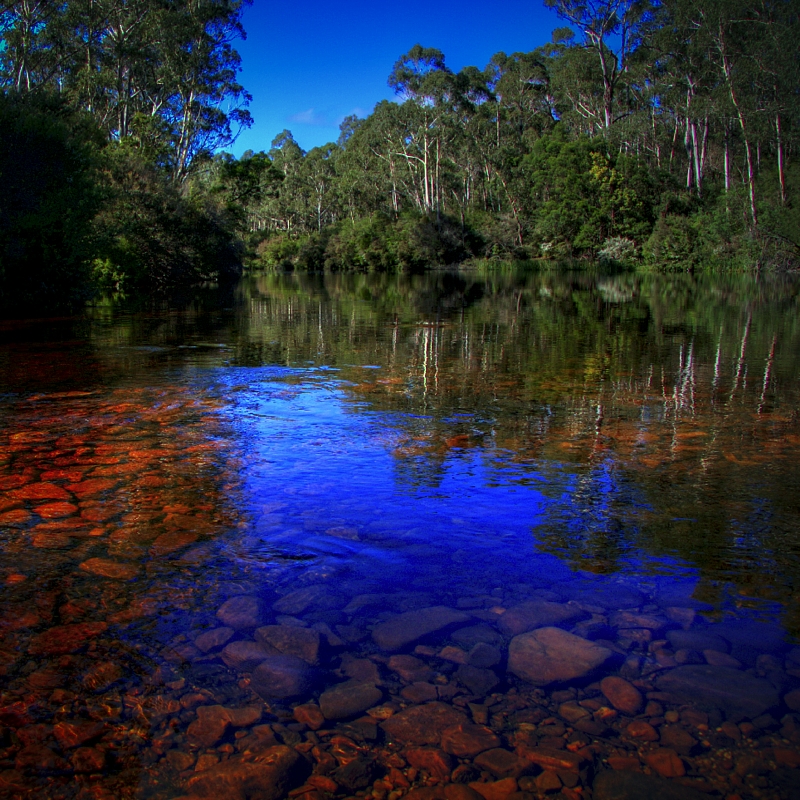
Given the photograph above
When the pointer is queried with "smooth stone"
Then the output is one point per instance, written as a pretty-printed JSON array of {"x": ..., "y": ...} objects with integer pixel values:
[
  {"x": 243, "y": 655},
  {"x": 423, "y": 724},
  {"x": 624, "y": 696},
  {"x": 106, "y": 568},
  {"x": 411, "y": 626},
  {"x": 550, "y": 655},
  {"x": 267, "y": 775},
  {"x": 628, "y": 619},
  {"x": 241, "y": 613},
  {"x": 479, "y": 681},
  {"x": 467, "y": 740},
  {"x": 281, "y": 676},
  {"x": 356, "y": 774},
  {"x": 213, "y": 639},
  {"x": 349, "y": 699},
  {"x": 301, "y": 642},
  {"x": 716, "y": 658},
  {"x": 625, "y": 785},
  {"x": 410, "y": 668},
  {"x": 472, "y": 635},
  {"x": 536, "y": 614},
  {"x": 484, "y": 655},
  {"x": 737, "y": 693},
  {"x": 698, "y": 640},
  {"x": 302, "y": 599}
]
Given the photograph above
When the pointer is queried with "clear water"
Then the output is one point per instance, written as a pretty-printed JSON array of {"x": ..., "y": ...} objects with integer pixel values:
[{"x": 604, "y": 443}]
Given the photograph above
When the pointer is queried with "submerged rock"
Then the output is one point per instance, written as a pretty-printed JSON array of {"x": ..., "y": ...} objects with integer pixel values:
[
  {"x": 411, "y": 626},
  {"x": 292, "y": 641},
  {"x": 736, "y": 693},
  {"x": 550, "y": 655},
  {"x": 624, "y": 696},
  {"x": 241, "y": 613},
  {"x": 423, "y": 724},
  {"x": 635, "y": 786},
  {"x": 537, "y": 614},
  {"x": 349, "y": 699},
  {"x": 281, "y": 677},
  {"x": 267, "y": 775}
]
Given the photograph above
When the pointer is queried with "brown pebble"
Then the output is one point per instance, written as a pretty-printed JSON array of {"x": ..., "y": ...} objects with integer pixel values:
[
  {"x": 624, "y": 696},
  {"x": 638, "y": 729},
  {"x": 309, "y": 714},
  {"x": 666, "y": 763}
]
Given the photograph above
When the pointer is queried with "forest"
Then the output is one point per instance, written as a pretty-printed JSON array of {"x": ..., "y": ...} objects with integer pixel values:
[{"x": 656, "y": 134}]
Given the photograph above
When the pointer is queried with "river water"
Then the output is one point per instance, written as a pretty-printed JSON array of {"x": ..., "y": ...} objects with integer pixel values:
[{"x": 459, "y": 535}]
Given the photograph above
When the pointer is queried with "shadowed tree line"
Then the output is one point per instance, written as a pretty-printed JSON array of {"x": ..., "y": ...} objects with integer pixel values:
[
  {"x": 663, "y": 132},
  {"x": 108, "y": 108}
]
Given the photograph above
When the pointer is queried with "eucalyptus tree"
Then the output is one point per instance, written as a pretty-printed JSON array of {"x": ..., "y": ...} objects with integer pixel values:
[
  {"x": 611, "y": 31},
  {"x": 423, "y": 80}
]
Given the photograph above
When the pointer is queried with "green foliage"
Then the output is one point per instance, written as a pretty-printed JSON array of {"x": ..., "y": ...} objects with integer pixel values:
[
  {"x": 153, "y": 237},
  {"x": 50, "y": 192},
  {"x": 370, "y": 244}
]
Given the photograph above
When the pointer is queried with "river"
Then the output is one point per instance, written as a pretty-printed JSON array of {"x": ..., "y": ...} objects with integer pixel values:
[{"x": 456, "y": 535}]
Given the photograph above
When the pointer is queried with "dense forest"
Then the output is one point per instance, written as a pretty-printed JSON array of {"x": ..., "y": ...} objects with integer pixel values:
[{"x": 662, "y": 133}]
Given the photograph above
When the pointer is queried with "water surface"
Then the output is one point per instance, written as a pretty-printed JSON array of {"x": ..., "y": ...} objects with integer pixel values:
[{"x": 610, "y": 456}]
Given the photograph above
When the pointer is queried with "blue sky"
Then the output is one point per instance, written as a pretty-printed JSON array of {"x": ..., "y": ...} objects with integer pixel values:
[{"x": 310, "y": 64}]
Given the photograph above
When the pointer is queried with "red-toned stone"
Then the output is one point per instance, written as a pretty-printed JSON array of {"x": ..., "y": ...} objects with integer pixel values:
[
  {"x": 15, "y": 715},
  {"x": 410, "y": 668},
  {"x": 106, "y": 568},
  {"x": 56, "y": 510},
  {"x": 51, "y": 541},
  {"x": 502, "y": 763},
  {"x": 74, "y": 734},
  {"x": 88, "y": 759},
  {"x": 13, "y": 482},
  {"x": 172, "y": 541},
  {"x": 18, "y": 618},
  {"x": 785, "y": 757},
  {"x": 467, "y": 740},
  {"x": 209, "y": 727},
  {"x": 639, "y": 729},
  {"x": 39, "y": 758},
  {"x": 460, "y": 791},
  {"x": 436, "y": 763},
  {"x": 666, "y": 763},
  {"x": 554, "y": 760},
  {"x": 624, "y": 696},
  {"x": 419, "y": 692},
  {"x": 268, "y": 775},
  {"x": 420, "y": 725},
  {"x": 65, "y": 639},
  {"x": 91, "y": 487},
  {"x": 629, "y": 763},
  {"x": 496, "y": 790},
  {"x": 41, "y": 491},
  {"x": 310, "y": 715},
  {"x": 19, "y": 516},
  {"x": 12, "y": 780}
]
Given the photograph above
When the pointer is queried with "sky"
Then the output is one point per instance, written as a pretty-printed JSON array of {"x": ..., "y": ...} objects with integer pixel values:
[{"x": 310, "y": 64}]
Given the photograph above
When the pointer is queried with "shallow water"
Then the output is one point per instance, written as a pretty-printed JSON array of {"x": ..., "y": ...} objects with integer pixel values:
[{"x": 465, "y": 500}]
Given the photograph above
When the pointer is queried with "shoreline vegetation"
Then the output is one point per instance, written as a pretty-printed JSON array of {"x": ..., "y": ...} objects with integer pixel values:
[{"x": 655, "y": 135}]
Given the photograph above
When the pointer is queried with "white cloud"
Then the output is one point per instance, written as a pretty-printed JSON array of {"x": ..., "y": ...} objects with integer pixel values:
[{"x": 309, "y": 117}]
